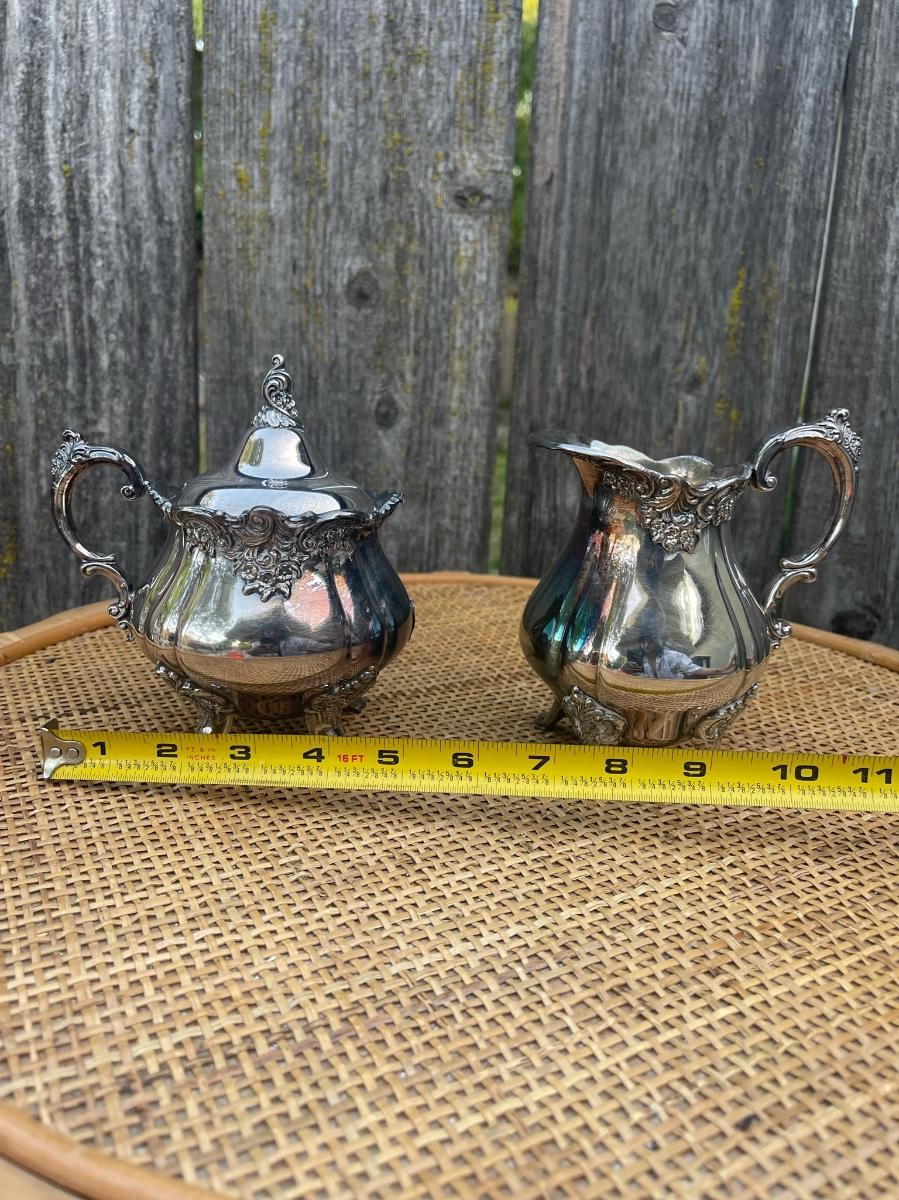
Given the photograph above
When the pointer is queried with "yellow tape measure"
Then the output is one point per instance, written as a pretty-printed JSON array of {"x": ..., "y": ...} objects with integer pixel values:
[{"x": 656, "y": 776}]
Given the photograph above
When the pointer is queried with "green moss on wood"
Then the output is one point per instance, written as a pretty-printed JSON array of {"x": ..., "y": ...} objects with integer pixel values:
[
  {"x": 8, "y": 548},
  {"x": 733, "y": 321},
  {"x": 492, "y": 17},
  {"x": 242, "y": 178},
  {"x": 268, "y": 20},
  {"x": 265, "y": 133}
]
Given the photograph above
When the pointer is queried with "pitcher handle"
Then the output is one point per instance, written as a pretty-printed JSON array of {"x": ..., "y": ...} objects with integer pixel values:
[
  {"x": 835, "y": 439},
  {"x": 72, "y": 458}
]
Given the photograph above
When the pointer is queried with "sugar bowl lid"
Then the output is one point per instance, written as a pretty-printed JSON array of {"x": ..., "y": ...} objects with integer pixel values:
[{"x": 276, "y": 467}]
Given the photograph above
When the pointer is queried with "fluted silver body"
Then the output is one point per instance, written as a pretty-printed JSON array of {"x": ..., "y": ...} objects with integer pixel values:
[
  {"x": 272, "y": 595},
  {"x": 644, "y": 628},
  {"x": 339, "y": 620}
]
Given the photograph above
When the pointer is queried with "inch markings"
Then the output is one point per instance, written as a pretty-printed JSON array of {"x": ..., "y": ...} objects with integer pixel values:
[{"x": 455, "y": 767}]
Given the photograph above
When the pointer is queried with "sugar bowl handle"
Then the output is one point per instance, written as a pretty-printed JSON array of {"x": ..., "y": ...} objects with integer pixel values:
[
  {"x": 835, "y": 439},
  {"x": 72, "y": 458}
]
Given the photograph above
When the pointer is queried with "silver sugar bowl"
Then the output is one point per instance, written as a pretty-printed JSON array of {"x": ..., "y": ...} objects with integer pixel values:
[
  {"x": 644, "y": 628},
  {"x": 272, "y": 596}
]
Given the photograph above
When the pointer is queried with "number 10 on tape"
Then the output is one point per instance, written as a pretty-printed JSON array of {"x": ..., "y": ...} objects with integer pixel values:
[{"x": 662, "y": 776}]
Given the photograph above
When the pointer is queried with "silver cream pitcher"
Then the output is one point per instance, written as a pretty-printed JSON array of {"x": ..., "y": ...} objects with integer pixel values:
[{"x": 644, "y": 628}]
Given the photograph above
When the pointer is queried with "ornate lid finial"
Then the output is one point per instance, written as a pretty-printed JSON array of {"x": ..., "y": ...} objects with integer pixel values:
[{"x": 279, "y": 408}]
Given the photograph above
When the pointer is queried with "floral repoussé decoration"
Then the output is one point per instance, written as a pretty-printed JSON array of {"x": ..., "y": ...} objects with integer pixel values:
[
  {"x": 270, "y": 550},
  {"x": 674, "y": 511}
]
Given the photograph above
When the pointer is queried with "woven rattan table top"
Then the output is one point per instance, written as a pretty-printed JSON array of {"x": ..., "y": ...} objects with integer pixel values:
[{"x": 304, "y": 994}]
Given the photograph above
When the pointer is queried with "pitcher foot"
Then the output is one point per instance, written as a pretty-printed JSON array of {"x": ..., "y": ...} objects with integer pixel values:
[
  {"x": 708, "y": 730},
  {"x": 591, "y": 721}
]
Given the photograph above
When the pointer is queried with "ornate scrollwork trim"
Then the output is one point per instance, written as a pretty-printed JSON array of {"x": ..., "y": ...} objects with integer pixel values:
[
  {"x": 71, "y": 449},
  {"x": 833, "y": 438},
  {"x": 216, "y": 709},
  {"x": 72, "y": 457},
  {"x": 279, "y": 407},
  {"x": 591, "y": 721},
  {"x": 710, "y": 728},
  {"x": 270, "y": 550},
  {"x": 836, "y": 428},
  {"x": 324, "y": 708},
  {"x": 672, "y": 510}
]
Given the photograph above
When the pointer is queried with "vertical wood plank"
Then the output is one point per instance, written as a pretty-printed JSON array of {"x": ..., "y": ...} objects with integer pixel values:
[
  {"x": 357, "y": 165},
  {"x": 681, "y": 159},
  {"x": 856, "y": 363},
  {"x": 97, "y": 268}
]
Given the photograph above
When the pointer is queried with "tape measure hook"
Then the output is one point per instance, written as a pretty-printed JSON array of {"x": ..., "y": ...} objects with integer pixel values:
[{"x": 58, "y": 751}]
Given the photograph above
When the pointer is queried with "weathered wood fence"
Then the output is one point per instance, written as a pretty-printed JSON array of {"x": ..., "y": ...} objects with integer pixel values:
[{"x": 691, "y": 279}]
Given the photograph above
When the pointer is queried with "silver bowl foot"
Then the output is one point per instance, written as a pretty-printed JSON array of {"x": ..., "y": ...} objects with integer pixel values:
[
  {"x": 323, "y": 711},
  {"x": 216, "y": 710}
]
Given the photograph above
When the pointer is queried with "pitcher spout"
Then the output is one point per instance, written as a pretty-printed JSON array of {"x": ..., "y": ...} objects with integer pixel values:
[
  {"x": 674, "y": 499},
  {"x": 385, "y": 504}
]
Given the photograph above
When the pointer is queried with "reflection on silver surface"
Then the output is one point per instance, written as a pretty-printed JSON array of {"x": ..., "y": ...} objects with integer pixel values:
[
  {"x": 645, "y": 628},
  {"x": 272, "y": 595}
]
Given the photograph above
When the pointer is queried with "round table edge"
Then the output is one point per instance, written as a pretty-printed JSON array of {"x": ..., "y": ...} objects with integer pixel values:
[{"x": 94, "y": 1174}]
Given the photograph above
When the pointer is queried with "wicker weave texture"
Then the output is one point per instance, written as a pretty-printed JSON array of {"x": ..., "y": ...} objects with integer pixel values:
[{"x": 309, "y": 994}]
